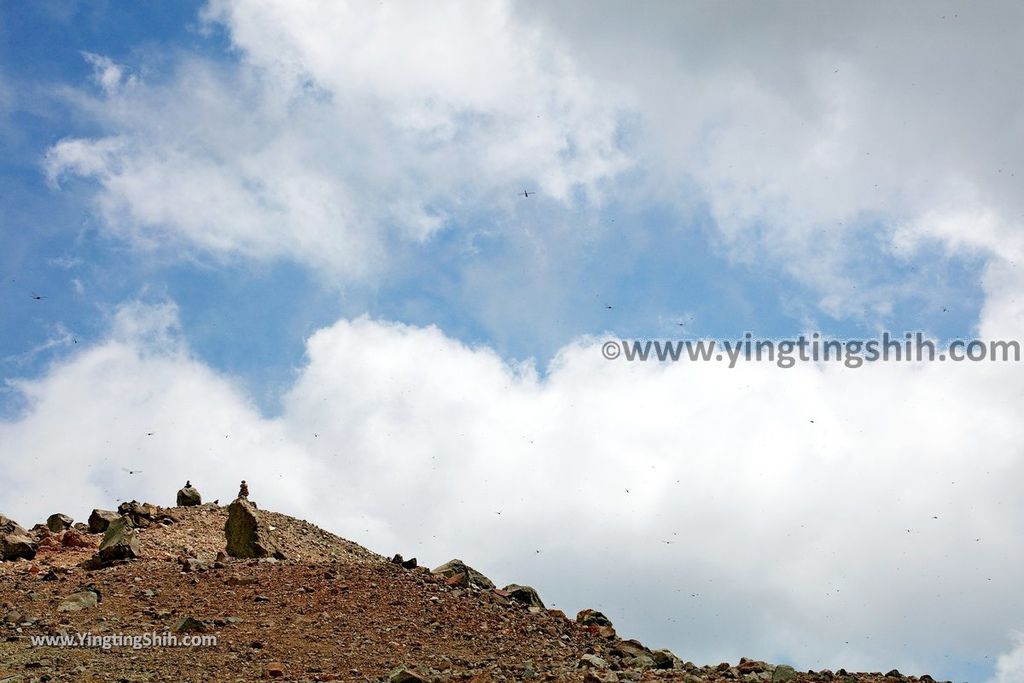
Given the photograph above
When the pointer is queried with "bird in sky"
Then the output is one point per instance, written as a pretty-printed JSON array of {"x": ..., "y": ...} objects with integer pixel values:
[
  {"x": 526, "y": 193},
  {"x": 38, "y": 297},
  {"x": 131, "y": 471}
]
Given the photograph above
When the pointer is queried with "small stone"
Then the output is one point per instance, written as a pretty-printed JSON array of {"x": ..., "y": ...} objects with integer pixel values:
[
  {"x": 79, "y": 601},
  {"x": 189, "y": 624},
  {"x": 402, "y": 674},
  {"x": 592, "y": 661}
]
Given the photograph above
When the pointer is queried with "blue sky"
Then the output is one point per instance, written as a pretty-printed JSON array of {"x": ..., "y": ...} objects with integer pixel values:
[{"x": 265, "y": 188}]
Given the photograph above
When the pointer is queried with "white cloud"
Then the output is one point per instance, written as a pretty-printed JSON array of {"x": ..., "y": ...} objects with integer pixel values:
[
  {"x": 343, "y": 131},
  {"x": 347, "y": 131},
  {"x": 1010, "y": 666},
  {"x": 815, "y": 541},
  {"x": 108, "y": 75},
  {"x": 816, "y": 135}
]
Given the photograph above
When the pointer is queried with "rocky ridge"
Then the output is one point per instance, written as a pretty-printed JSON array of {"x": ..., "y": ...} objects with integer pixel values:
[{"x": 306, "y": 606}]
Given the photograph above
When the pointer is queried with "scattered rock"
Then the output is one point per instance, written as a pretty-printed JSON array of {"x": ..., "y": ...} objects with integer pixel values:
[
  {"x": 751, "y": 666},
  {"x": 665, "y": 659},
  {"x": 275, "y": 670},
  {"x": 242, "y": 581},
  {"x": 79, "y": 601},
  {"x": 144, "y": 514},
  {"x": 192, "y": 564},
  {"x": 246, "y": 534},
  {"x": 452, "y": 570},
  {"x": 99, "y": 520},
  {"x": 188, "y": 496},
  {"x": 592, "y": 661},
  {"x": 120, "y": 542},
  {"x": 411, "y": 563},
  {"x": 58, "y": 522},
  {"x": 15, "y": 542},
  {"x": 524, "y": 594},
  {"x": 189, "y": 624}
]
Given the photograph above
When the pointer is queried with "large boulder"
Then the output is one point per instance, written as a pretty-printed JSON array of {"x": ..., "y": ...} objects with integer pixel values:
[
  {"x": 459, "y": 573},
  {"x": 14, "y": 541},
  {"x": 120, "y": 542},
  {"x": 524, "y": 594},
  {"x": 784, "y": 674},
  {"x": 99, "y": 520},
  {"x": 58, "y": 522},
  {"x": 246, "y": 534},
  {"x": 591, "y": 617},
  {"x": 188, "y": 496},
  {"x": 596, "y": 623}
]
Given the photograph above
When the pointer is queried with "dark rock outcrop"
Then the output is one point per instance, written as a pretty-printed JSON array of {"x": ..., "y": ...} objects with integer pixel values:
[
  {"x": 246, "y": 534},
  {"x": 188, "y": 495},
  {"x": 459, "y": 573},
  {"x": 15, "y": 542},
  {"x": 99, "y": 520},
  {"x": 596, "y": 622},
  {"x": 524, "y": 594},
  {"x": 120, "y": 542},
  {"x": 58, "y": 522}
]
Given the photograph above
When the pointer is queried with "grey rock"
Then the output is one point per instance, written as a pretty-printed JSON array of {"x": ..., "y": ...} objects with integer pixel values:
[
  {"x": 524, "y": 594},
  {"x": 403, "y": 674},
  {"x": 141, "y": 514},
  {"x": 592, "y": 662},
  {"x": 15, "y": 542},
  {"x": 58, "y": 522},
  {"x": 120, "y": 542},
  {"x": 591, "y": 617},
  {"x": 246, "y": 534},
  {"x": 188, "y": 624},
  {"x": 78, "y": 601},
  {"x": 470, "y": 576},
  {"x": 783, "y": 674},
  {"x": 188, "y": 496},
  {"x": 99, "y": 520},
  {"x": 665, "y": 659}
]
